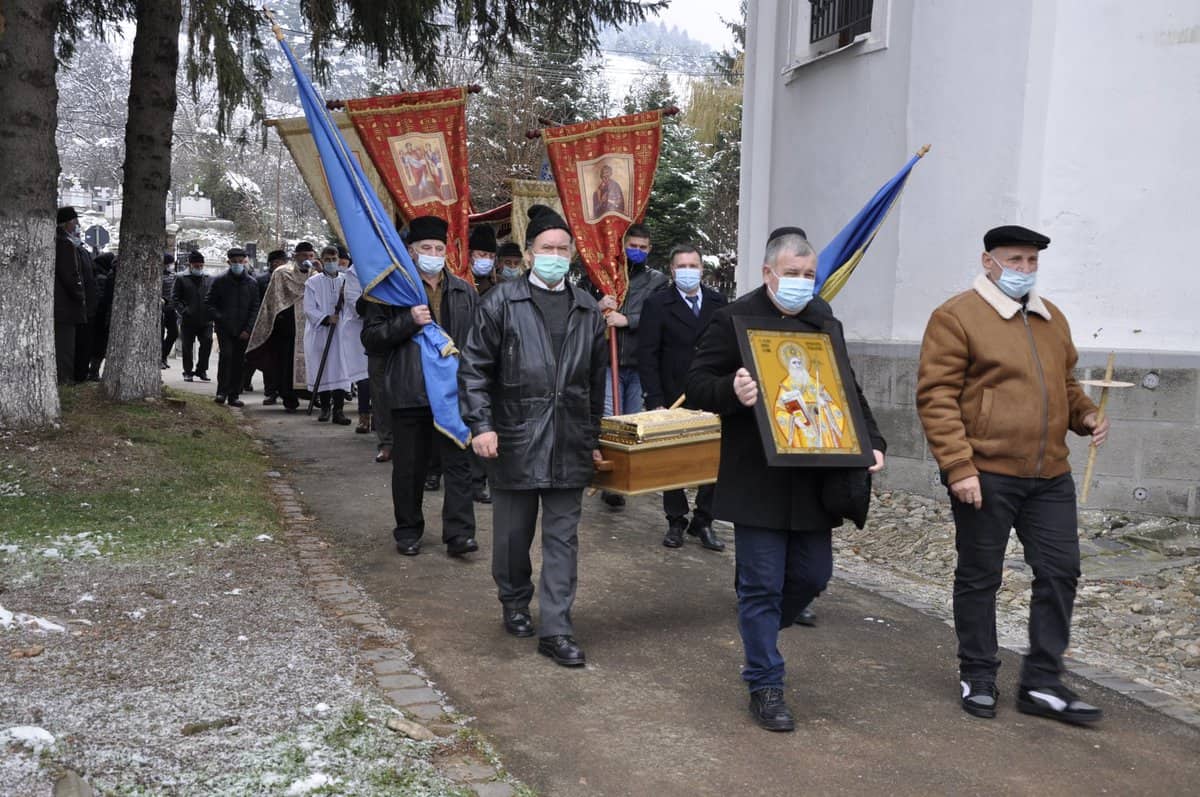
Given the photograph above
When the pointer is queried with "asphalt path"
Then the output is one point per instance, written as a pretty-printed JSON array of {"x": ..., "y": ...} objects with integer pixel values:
[{"x": 660, "y": 708}]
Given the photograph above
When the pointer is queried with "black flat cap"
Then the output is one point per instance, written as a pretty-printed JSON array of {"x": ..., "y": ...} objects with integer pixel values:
[
  {"x": 236, "y": 251},
  {"x": 277, "y": 254},
  {"x": 66, "y": 214},
  {"x": 427, "y": 228},
  {"x": 541, "y": 219},
  {"x": 195, "y": 257},
  {"x": 779, "y": 232},
  {"x": 304, "y": 246},
  {"x": 1012, "y": 235},
  {"x": 509, "y": 249},
  {"x": 483, "y": 239}
]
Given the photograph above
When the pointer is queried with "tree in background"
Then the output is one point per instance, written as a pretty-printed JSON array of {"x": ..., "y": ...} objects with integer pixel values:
[{"x": 675, "y": 213}]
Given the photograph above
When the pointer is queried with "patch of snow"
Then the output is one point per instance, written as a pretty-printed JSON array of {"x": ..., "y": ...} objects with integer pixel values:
[
  {"x": 31, "y": 737},
  {"x": 321, "y": 708},
  {"x": 264, "y": 538},
  {"x": 136, "y": 614},
  {"x": 313, "y": 782},
  {"x": 236, "y": 591},
  {"x": 28, "y": 621}
]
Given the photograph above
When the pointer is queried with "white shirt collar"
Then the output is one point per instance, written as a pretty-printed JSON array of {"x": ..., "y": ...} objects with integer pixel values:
[
  {"x": 699, "y": 297},
  {"x": 538, "y": 281}
]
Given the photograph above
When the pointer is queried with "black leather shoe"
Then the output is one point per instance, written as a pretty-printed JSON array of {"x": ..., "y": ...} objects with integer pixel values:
[
  {"x": 482, "y": 496},
  {"x": 270, "y": 401},
  {"x": 615, "y": 500},
  {"x": 409, "y": 548},
  {"x": 563, "y": 649},
  {"x": 674, "y": 536},
  {"x": 1057, "y": 702},
  {"x": 462, "y": 545},
  {"x": 220, "y": 399},
  {"x": 163, "y": 365},
  {"x": 979, "y": 698},
  {"x": 187, "y": 377},
  {"x": 340, "y": 419},
  {"x": 236, "y": 402},
  {"x": 326, "y": 412},
  {"x": 518, "y": 622},
  {"x": 203, "y": 377},
  {"x": 706, "y": 535},
  {"x": 433, "y": 483},
  {"x": 807, "y": 617},
  {"x": 770, "y": 711}
]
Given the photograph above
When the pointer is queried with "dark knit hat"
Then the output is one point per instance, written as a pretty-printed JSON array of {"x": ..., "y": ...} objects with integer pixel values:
[
  {"x": 779, "y": 232},
  {"x": 483, "y": 239},
  {"x": 277, "y": 254},
  {"x": 195, "y": 257},
  {"x": 1012, "y": 235},
  {"x": 304, "y": 246},
  {"x": 542, "y": 218},
  {"x": 509, "y": 249},
  {"x": 66, "y": 214},
  {"x": 427, "y": 228},
  {"x": 236, "y": 251}
]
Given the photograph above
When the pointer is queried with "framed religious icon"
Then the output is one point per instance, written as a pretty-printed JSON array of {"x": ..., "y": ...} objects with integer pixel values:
[
  {"x": 807, "y": 411},
  {"x": 606, "y": 186}
]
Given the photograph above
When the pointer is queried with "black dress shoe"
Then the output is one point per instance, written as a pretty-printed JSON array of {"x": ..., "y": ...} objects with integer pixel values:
[
  {"x": 270, "y": 401},
  {"x": 770, "y": 711},
  {"x": 615, "y": 500},
  {"x": 563, "y": 649},
  {"x": 340, "y": 419},
  {"x": 1057, "y": 702},
  {"x": 202, "y": 377},
  {"x": 674, "y": 536},
  {"x": 236, "y": 402},
  {"x": 163, "y": 365},
  {"x": 325, "y": 415},
  {"x": 518, "y": 622},
  {"x": 433, "y": 483},
  {"x": 979, "y": 698},
  {"x": 187, "y": 377},
  {"x": 462, "y": 545},
  {"x": 806, "y": 617},
  {"x": 482, "y": 496},
  {"x": 409, "y": 547},
  {"x": 708, "y": 537},
  {"x": 220, "y": 399}
]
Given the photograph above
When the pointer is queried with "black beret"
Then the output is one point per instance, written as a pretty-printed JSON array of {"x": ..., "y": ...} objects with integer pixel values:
[
  {"x": 1012, "y": 235},
  {"x": 427, "y": 228},
  {"x": 236, "y": 251},
  {"x": 66, "y": 214},
  {"x": 277, "y": 254},
  {"x": 343, "y": 253},
  {"x": 304, "y": 246},
  {"x": 779, "y": 232},
  {"x": 483, "y": 239},
  {"x": 541, "y": 219},
  {"x": 168, "y": 258},
  {"x": 195, "y": 257},
  {"x": 509, "y": 249}
]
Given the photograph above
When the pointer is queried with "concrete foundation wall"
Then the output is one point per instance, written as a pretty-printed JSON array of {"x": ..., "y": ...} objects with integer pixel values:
[{"x": 1151, "y": 462}]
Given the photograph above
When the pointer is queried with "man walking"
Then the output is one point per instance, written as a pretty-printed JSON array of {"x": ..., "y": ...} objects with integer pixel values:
[
  {"x": 782, "y": 529},
  {"x": 194, "y": 323},
  {"x": 672, "y": 321},
  {"x": 275, "y": 259},
  {"x": 452, "y": 305},
  {"x": 531, "y": 385},
  {"x": 482, "y": 244},
  {"x": 277, "y": 342},
  {"x": 996, "y": 394},
  {"x": 331, "y": 336},
  {"x": 70, "y": 294},
  {"x": 170, "y": 321},
  {"x": 232, "y": 303}
]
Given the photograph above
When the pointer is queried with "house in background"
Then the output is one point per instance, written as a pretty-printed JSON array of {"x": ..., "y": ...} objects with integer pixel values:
[{"x": 1078, "y": 118}]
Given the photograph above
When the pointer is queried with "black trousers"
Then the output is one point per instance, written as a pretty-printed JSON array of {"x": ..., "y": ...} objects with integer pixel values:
[
  {"x": 170, "y": 332},
  {"x": 64, "y": 351},
  {"x": 188, "y": 336},
  {"x": 414, "y": 438},
  {"x": 231, "y": 364},
  {"x": 1043, "y": 513},
  {"x": 675, "y": 504},
  {"x": 337, "y": 397},
  {"x": 84, "y": 343}
]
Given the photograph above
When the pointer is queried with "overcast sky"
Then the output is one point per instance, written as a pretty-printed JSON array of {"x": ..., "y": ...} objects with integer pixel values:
[{"x": 702, "y": 19}]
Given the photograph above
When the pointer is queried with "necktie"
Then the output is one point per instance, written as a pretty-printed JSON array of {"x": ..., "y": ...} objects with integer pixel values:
[{"x": 694, "y": 301}]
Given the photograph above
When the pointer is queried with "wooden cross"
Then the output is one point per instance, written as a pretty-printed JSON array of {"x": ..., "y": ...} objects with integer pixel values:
[{"x": 1104, "y": 384}]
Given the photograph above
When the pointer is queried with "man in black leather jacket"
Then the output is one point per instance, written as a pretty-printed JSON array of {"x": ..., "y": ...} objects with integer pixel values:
[
  {"x": 531, "y": 387},
  {"x": 386, "y": 328}
]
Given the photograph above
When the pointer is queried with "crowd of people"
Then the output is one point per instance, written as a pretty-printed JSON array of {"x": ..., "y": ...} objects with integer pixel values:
[{"x": 995, "y": 393}]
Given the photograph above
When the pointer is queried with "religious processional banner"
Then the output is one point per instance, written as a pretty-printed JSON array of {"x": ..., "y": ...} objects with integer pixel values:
[
  {"x": 298, "y": 139},
  {"x": 604, "y": 170},
  {"x": 418, "y": 143},
  {"x": 384, "y": 267},
  {"x": 526, "y": 194}
]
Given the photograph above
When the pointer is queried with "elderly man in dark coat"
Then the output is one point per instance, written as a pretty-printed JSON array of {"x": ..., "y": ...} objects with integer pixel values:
[
  {"x": 531, "y": 385},
  {"x": 781, "y": 526},
  {"x": 72, "y": 275}
]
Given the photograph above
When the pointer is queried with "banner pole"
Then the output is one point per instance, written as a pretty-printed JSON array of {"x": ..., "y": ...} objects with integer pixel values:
[{"x": 616, "y": 377}]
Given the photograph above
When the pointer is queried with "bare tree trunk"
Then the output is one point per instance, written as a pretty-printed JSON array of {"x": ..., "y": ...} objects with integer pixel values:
[
  {"x": 28, "y": 171},
  {"x": 134, "y": 343}
]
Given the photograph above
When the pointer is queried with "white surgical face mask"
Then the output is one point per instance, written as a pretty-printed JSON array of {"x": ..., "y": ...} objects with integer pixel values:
[
  {"x": 688, "y": 279},
  {"x": 1015, "y": 284},
  {"x": 430, "y": 264},
  {"x": 794, "y": 293},
  {"x": 482, "y": 266}
]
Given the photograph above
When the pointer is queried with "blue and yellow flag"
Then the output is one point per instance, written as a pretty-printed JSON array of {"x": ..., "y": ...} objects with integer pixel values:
[
  {"x": 841, "y": 256},
  {"x": 387, "y": 272}
]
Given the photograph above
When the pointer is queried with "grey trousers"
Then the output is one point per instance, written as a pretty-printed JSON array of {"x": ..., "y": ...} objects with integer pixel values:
[
  {"x": 381, "y": 412},
  {"x": 514, "y": 521}
]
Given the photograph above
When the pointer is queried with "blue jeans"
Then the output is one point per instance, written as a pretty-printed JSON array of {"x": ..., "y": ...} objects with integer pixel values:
[
  {"x": 631, "y": 390},
  {"x": 778, "y": 574}
]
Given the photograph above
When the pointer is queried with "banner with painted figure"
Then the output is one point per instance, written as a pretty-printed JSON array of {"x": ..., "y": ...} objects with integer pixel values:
[
  {"x": 298, "y": 139},
  {"x": 418, "y": 144},
  {"x": 604, "y": 170},
  {"x": 526, "y": 194}
]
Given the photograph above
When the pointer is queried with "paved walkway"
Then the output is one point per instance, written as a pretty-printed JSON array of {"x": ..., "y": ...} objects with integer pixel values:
[{"x": 660, "y": 709}]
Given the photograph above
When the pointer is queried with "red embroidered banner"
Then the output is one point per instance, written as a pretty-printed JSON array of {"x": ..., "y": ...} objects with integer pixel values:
[
  {"x": 418, "y": 143},
  {"x": 604, "y": 170}
]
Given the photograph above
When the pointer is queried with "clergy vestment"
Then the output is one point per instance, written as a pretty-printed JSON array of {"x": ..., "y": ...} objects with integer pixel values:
[{"x": 347, "y": 362}]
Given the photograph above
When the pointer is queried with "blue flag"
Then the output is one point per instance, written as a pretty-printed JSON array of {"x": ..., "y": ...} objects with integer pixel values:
[
  {"x": 842, "y": 255},
  {"x": 387, "y": 272}
]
